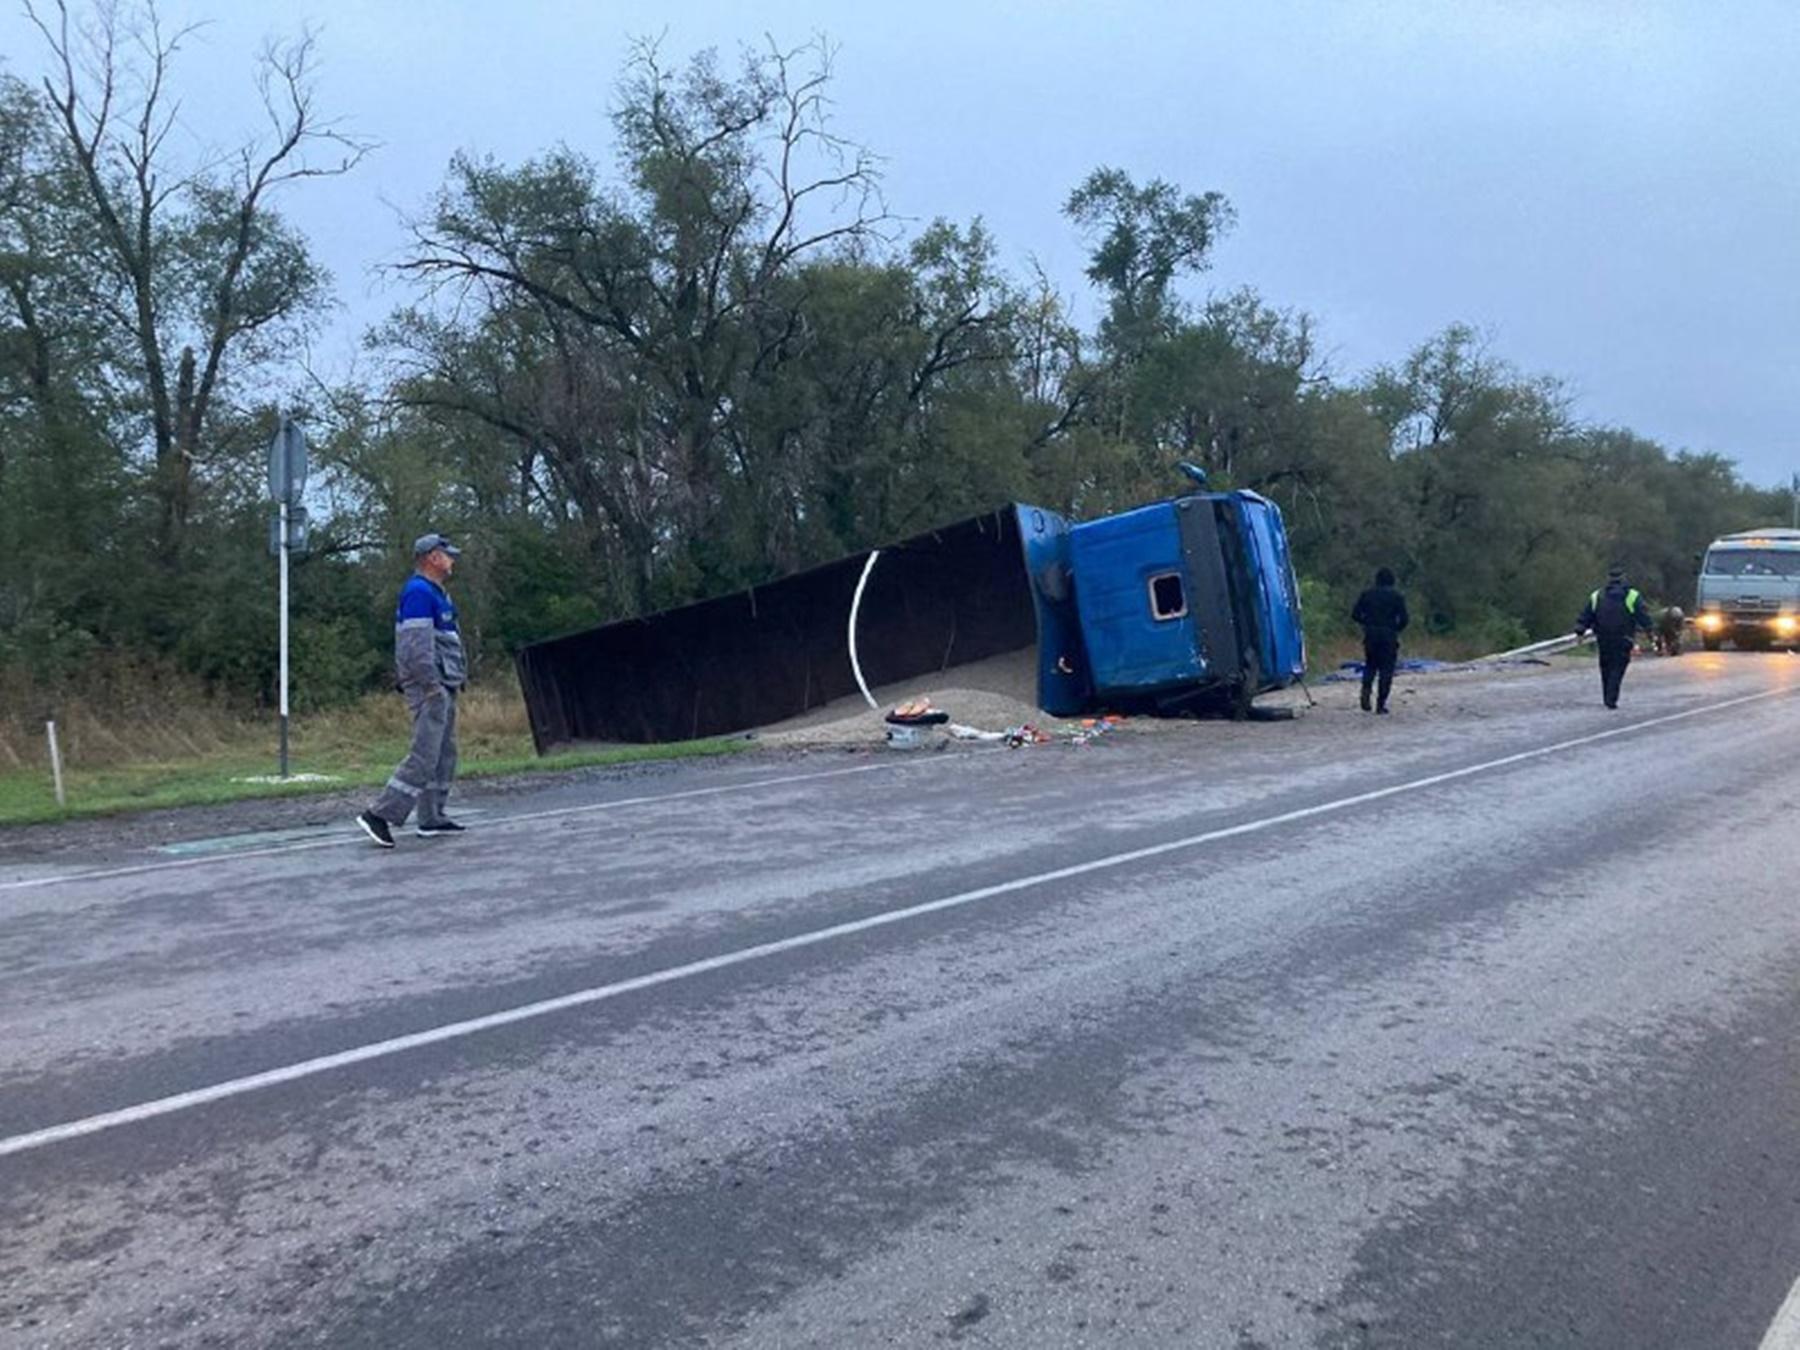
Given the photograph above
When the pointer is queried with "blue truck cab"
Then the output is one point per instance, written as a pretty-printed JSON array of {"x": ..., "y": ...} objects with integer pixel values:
[{"x": 1180, "y": 603}]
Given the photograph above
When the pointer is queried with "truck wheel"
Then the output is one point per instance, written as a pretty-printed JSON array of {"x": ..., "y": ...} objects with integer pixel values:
[
  {"x": 1244, "y": 695},
  {"x": 1710, "y": 642}
]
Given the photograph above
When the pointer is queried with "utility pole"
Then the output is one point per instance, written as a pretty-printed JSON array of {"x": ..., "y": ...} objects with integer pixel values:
[{"x": 1796, "y": 487}]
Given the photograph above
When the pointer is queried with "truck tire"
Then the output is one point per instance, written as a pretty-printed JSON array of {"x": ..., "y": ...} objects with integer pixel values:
[
  {"x": 1244, "y": 695},
  {"x": 1709, "y": 642}
]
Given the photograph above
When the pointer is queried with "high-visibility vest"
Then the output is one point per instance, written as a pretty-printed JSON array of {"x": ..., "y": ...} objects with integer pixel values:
[{"x": 1631, "y": 600}]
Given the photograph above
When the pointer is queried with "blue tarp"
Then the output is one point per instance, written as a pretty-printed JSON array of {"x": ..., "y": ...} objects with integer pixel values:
[
  {"x": 1413, "y": 665},
  {"x": 1423, "y": 665}
]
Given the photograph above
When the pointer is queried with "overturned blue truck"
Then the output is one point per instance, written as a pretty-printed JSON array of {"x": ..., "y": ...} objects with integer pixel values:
[{"x": 1183, "y": 605}]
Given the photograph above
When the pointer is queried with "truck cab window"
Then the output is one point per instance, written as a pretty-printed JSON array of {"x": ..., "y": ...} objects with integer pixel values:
[{"x": 1167, "y": 598}]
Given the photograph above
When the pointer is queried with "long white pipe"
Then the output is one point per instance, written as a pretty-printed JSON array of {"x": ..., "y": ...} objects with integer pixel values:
[
  {"x": 1554, "y": 644},
  {"x": 855, "y": 605}
]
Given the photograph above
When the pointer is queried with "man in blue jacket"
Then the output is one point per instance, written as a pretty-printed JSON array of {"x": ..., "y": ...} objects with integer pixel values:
[{"x": 430, "y": 669}]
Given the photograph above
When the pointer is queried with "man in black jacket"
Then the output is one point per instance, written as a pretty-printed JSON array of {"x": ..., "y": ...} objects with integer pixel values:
[
  {"x": 1381, "y": 610},
  {"x": 1613, "y": 614}
]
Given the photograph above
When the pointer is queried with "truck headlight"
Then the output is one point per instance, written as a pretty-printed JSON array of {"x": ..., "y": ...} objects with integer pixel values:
[
  {"x": 1787, "y": 625},
  {"x": 1711, "y": 622}
]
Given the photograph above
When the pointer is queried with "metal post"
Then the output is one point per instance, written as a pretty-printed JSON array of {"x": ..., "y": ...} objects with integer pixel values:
[
  {"x": 55, "y": 763},
  {"x": 284, "y": 638},
  {"x": 1796, "y": 487}
]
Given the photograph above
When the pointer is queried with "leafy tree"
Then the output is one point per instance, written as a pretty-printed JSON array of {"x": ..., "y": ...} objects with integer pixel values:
[
  {"x": 623, "y": 324},
  {"x": 1143, "y": 238}
]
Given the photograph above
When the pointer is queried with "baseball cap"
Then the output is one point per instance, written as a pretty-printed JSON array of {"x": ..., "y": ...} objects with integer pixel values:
[{"x": 428, "y": 543}]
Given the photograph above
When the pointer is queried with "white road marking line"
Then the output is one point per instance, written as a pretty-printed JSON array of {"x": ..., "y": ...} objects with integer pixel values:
[
  {"x": 237, "y": 1087},
  {"x": 1784, "y": 1331},
  {"x": 351, "y": 838}
]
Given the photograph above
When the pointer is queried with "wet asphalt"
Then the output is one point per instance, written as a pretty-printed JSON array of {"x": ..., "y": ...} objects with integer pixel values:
[{"x": 1332, "y": 1033}]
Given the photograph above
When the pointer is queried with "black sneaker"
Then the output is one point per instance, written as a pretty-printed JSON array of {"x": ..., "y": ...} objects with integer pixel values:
[
  {"x": 376, "y": 828},
  {"x": 445, "y": 826}
]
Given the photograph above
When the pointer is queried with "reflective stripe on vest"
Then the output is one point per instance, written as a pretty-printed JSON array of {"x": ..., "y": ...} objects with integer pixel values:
[{"x": 1631, "y": 600}]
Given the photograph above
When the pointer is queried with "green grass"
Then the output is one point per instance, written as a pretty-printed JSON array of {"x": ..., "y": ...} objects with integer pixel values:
[
  {"x": 356, "y": 747},
  {"x": 188, "y": 752}
]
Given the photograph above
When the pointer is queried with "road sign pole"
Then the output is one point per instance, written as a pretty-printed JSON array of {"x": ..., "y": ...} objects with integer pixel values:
[
  {"x": 287, "y": 483},
  {"x": 284, "y": 639}
]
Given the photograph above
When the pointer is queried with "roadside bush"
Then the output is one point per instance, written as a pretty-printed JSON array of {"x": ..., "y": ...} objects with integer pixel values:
[
  {"x": 332, "y": 662},
  {"x": 1325, "y": 613}
]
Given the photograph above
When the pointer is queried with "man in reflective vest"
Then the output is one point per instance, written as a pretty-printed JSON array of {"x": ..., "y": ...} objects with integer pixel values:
[
  {"x": 430, "y": 669},
  {"x": 1614, "y": 614}
]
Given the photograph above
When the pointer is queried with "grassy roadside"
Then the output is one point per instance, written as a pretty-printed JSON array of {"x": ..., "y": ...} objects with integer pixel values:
[
  {"x": 172, "y": 748},
  {"x": 348, "y": 748}
]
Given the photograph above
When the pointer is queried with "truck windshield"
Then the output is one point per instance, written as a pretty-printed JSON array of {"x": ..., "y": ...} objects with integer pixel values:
[{"x": 1752, "y": 562}]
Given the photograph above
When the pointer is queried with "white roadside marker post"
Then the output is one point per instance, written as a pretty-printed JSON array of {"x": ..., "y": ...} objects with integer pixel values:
[{"x": 55, "y": 763}]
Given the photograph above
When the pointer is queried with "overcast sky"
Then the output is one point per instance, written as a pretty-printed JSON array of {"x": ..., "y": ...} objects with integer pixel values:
[{"x": 1611, "y": 190}]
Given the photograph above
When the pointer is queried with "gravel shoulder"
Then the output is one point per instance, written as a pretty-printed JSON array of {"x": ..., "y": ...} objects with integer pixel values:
[{"x": 991, "y": 696}]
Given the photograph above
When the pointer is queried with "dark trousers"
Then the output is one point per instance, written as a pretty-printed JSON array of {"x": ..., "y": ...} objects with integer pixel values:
[
  {"x": 1380, "y": 652},
  {"x": 1615, "y": 655}
]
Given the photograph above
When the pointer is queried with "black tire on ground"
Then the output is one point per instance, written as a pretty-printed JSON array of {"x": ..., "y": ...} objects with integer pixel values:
[
  {"x": 1710, "y": 642},
  {"x": 1244, "y": 695}
]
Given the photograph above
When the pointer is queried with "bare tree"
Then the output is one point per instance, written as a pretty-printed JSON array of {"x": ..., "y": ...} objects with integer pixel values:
[{"x": 196, "y": 267}]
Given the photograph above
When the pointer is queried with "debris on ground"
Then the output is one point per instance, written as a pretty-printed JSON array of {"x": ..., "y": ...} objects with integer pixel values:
[
  {"x": 917, "y": 712},
  {"x": 1094, "y": 727},
  {"x": 960, "y": 732},
  {"x": 990, "y": 696},
  {"x": 994, "y": 702}
]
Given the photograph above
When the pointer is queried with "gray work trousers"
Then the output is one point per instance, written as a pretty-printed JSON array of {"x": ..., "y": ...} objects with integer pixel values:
[{"x": 423, "y": 778}]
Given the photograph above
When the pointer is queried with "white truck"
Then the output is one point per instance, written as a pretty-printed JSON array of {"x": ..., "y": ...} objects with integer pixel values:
[{"x": 1749, "y": 590}]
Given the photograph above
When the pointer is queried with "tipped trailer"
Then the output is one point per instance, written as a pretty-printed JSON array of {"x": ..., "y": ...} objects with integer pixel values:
[{"x": 1180, "y": 605}]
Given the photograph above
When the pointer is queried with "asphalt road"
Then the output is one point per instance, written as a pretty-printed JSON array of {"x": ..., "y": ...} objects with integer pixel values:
[{"x": 1471, "y": 1028}]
